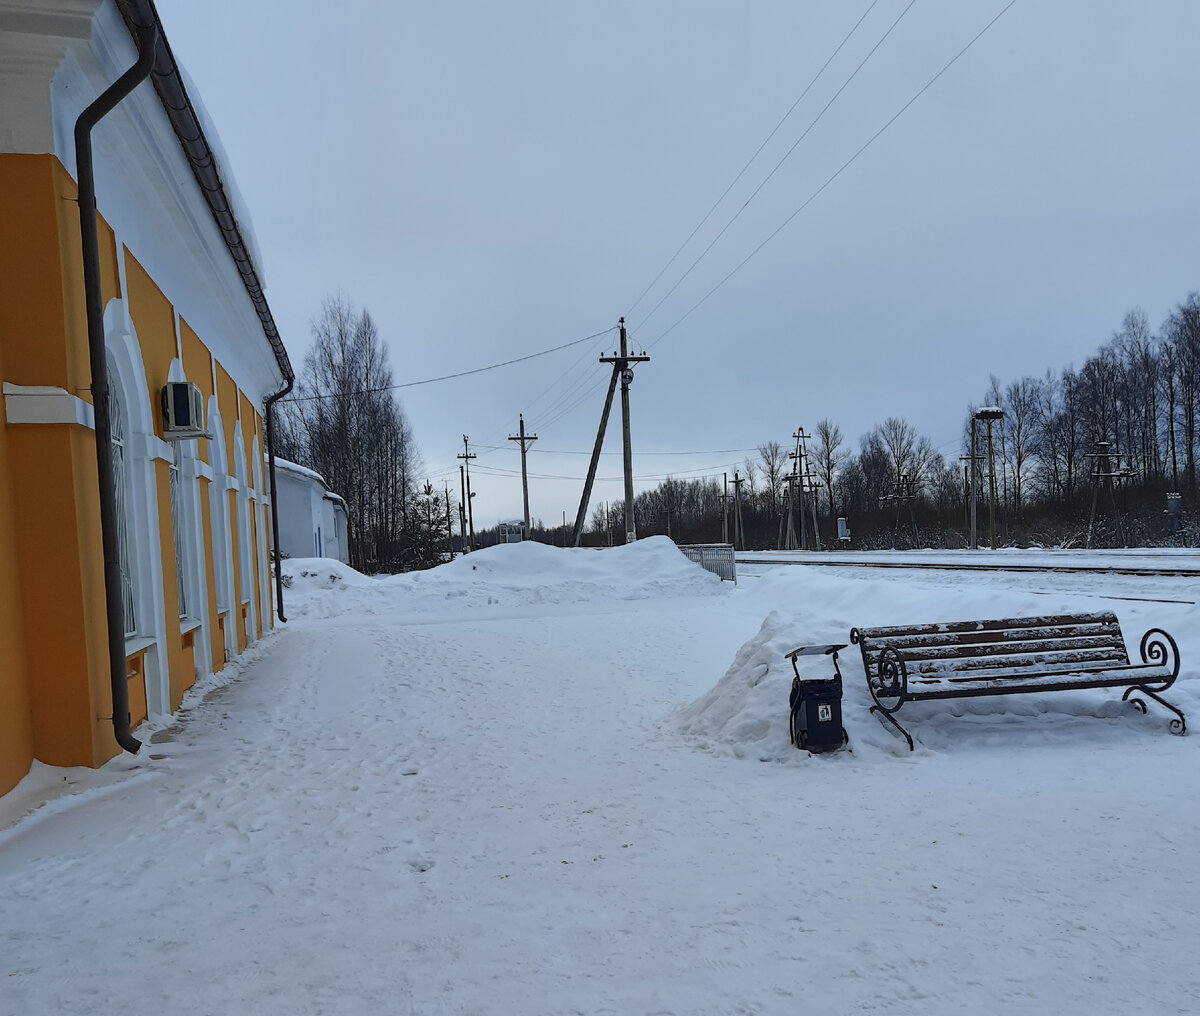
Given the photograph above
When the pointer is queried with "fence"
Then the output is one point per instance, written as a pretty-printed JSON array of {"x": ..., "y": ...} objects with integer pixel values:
[{"x": 714, "y": 557}]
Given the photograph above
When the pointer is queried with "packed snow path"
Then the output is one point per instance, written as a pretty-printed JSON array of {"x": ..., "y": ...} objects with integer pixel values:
[{"x": 465, "y": 795}]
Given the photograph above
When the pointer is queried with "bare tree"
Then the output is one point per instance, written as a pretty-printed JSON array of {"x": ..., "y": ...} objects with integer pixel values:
[
  {"x": 899, "y": 438},
  {"x": 774, "y": 466},
  {"x": 829, "y": 455},
  {"x": 344, "y": 422},
  {"x": 1021, "y": 399}
]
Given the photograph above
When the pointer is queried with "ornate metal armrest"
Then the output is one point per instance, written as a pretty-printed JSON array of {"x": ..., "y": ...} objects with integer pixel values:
[
  {"x": 1158, "y": 648},
  {"x": 891, "y": 676}
]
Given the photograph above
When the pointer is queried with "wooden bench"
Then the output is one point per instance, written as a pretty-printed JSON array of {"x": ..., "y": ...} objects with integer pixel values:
[{"x": 1014, "y": 656}]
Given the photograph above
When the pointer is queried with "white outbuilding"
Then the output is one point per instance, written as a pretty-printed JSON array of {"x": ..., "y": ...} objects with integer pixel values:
[{"x": 312, "y": 518}]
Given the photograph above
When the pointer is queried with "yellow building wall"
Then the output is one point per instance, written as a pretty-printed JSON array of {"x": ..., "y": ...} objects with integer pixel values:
[
  {"x": 197, "y": 365},
  {"x": 16, "y": 719},
  {"x": 50, "y": 475},
  {"x": 62, "y": 584},
  {"x": 55, "y": 700}
]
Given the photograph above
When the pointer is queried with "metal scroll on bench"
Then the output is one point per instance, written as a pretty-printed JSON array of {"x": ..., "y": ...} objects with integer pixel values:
[{"x": 1013, "y": 656}]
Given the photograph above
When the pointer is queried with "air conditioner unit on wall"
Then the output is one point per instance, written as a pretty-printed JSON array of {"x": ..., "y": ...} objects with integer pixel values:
[{"x": 183, "y": 411}]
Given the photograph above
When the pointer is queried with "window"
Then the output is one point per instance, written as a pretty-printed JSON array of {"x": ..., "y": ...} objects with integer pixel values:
[
  {"x": 245, "y": 547},
  {"x": 177, "y": 520},
  {"x": 121, "y": 491}
]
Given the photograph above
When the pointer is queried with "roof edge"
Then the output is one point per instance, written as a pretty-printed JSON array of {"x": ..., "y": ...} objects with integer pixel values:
[{"x": 168, "y": 83}]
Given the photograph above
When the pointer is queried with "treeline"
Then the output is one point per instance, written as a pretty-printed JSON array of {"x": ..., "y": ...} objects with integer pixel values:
[
  {"x": 344, "y": 421},
  {"x": 1088, "y": 452}
]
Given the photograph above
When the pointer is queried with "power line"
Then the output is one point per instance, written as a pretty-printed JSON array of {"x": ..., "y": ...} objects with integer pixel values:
[
  {"x": 845, "y": 165},
  {"x": 561, "y": 451},
  {"x": 757, "y": 152},
  {"x": 786, "y": 155},
  {"x": 449, "y": 377},
  {"x": 504, "y": 472}
]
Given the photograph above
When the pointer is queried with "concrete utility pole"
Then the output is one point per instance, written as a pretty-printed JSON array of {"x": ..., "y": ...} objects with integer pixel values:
[
  {"x": 524, "y": 439},
  {"x": 467, "y": 456},
  {"x": 739, "y": 537},
  {"x": 990, "y": 414},
  {"x": 449, "y": 525},
  {"x": 624, "y": 372}
]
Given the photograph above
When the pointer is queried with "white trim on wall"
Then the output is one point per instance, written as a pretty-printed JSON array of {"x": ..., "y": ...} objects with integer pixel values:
[
  {"x": 245, "y": 536},
  {"x": 44, "y": 404},
  {"x": 221, "y": 538}
]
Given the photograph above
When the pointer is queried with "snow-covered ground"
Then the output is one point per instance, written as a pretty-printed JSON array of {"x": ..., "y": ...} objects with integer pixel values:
[{"x": 559, "y": 781}]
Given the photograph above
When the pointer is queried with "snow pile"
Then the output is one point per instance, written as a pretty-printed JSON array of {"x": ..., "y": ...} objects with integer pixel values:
[
  {"x": 746, "y": 712},
  {"x": 515, "y": 575}
]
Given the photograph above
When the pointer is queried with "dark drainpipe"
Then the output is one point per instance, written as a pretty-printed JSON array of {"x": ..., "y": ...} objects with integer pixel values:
[
  {"x": 146, "y": 39},
  {"x": 269, "y": 410}
]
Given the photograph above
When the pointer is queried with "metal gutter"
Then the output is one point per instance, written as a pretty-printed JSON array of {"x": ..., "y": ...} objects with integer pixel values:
[
  {"x": 269, "y": 414},
  {"x": 145, "y": 37}
]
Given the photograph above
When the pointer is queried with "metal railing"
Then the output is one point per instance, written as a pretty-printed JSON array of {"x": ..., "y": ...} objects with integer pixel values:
[{"x": 714, "y": 557}]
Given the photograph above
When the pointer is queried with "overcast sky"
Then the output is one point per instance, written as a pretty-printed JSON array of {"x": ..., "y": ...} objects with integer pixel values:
[{"x": 491, "y": 180}]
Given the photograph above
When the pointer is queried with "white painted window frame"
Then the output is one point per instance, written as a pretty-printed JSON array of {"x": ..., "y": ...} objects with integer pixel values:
[{"x": 145, "y": 449}]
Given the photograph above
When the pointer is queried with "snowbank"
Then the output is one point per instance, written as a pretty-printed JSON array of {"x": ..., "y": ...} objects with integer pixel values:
[{"x": 514, "y": 575}]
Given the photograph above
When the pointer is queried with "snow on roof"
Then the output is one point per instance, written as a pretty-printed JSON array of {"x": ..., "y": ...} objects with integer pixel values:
[
  {"x": 299, "y": 470},
  {"x": 237, "y": 204}
]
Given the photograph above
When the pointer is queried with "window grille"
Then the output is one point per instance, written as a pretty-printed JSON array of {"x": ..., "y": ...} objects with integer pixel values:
[
  {"x": 117, "y": 421},
  {"x": 177, "y": 520},
  {"x": 219, "y": 514},
  {"x": 246, "y": 549}
]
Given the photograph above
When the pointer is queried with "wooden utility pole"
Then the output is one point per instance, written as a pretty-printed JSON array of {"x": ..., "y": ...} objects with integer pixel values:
[
  {"x": 462, "y": 512},
  {"x": 449, "y": 525},
  {"x": 725, "y": 511},
  {"x": 974, "y": 489},
  {"x": 788, "y": 541},
  {"x": 990, "y": 414},
  {"x": 807, "y": 488},
  {"x": 991, "y": 487},
  {"x": 525, "y": 439},
  {"x": 622, "y": 371},
  {"x": 739, "y": 536},
  {"x": 1104, "y": 471},
  {"x": 467, "y": 456}
]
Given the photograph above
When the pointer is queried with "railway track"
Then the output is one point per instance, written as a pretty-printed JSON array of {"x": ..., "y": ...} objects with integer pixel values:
[
  {"x": 1145, "y": 568},
  {"x": 750, "y": 557}
]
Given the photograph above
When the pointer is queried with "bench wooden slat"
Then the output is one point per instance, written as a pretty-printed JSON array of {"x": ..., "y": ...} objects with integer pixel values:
[
  {"x": 1018, "y": 660},
  {"x": 997, "y": 637},
  {"x": 951, "y": 627},
  {"x": 991, "y": 649},
  {"x": 1011, "y": 674},
  {"x": 1117, "y": 677}
]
